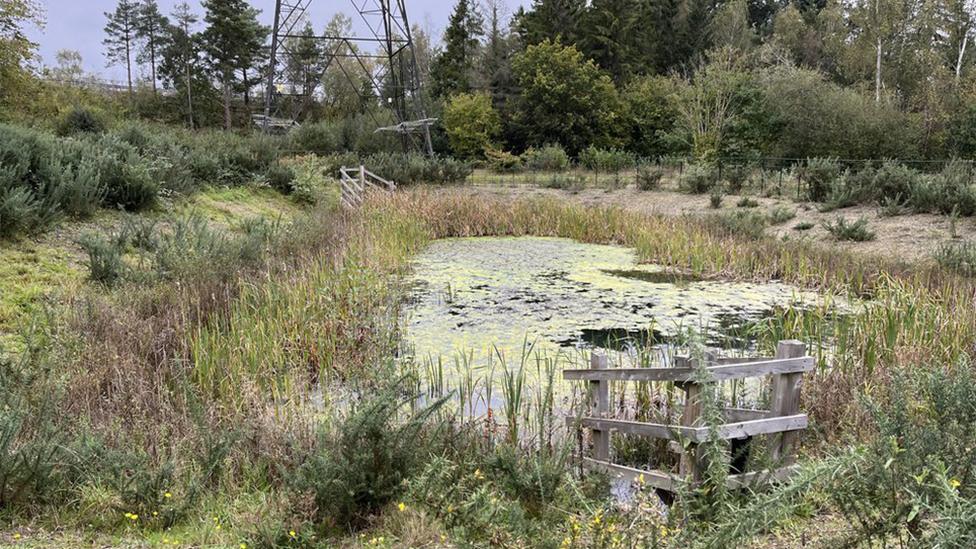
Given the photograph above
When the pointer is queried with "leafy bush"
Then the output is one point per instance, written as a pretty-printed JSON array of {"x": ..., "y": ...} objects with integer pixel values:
[
  {"x": 649, "y": 177},
  {"x": 319, "y": 138},
  {"x": 281, "y": 178},
  {"x": 500, "y": 161},
  {"x": 746, "y": 202},
  {"x": 715, "y": 200},
  {"x": 568, "y": 182},
  {"x": 698, "y": 179},
  {"x": 855, "y": 232},
  {"x": 81, "y": 120},
  {"x": 126, "y": 177},
  {"x": 820, "y": 175},
  {"x": 363, "y": 463},
  {"x": 471, "y": 124},
  {"x": 780, "y": 215},
  {"x": 105, "y": 263},
  {"x": 952, "y": 191},
  {"x": 606, "y": 160},
  {"x": 550, "y": 158},
  {"x": 894, "y": 179},
  {"x": 736, "y": 178},
  {"x": 804, "y": 226}
]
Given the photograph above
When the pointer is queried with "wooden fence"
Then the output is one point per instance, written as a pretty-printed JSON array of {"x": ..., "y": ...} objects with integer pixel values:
[
  {"x": 782, "y": 422},
  {"x": 354, "y": 182}
]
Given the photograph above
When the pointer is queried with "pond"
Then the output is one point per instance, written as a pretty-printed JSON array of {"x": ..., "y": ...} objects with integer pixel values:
[{"x": 483, "y": 297}]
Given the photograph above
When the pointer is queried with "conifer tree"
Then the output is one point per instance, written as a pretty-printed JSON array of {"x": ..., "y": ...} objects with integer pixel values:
[
  {"x": 451, "y": 70},
  {"x": 233, "y": 41},
  {"x": 150, "y": 31},
  {"x": 120, "y": 36}
]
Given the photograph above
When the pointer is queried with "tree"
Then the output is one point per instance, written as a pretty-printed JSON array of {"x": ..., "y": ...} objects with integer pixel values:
[
  {"x": 69, "y": 67},
  {"x": 496, "y": 62},
  {"x": 607, "y": 35},
  {"x": 565, "y": 99},
  {"x": 730, "y": 27},
  {"x": 346, "y": 86},
  {"x": 150, "y": 31},
  {"x": 232, "y": 41},
  {"x": 120, "y": 36},
  {"x": 180, "y": 64},
  {"x": 471, "y": 124},
  {"x": 651, "y": 114},
  {"x": 451, "y": 70},
  {"x": 16, "y": 50},
  {"x": 302, "y": 62},
  {"x": 553, "y": 20},
  {"x": 956, "y": 23}
]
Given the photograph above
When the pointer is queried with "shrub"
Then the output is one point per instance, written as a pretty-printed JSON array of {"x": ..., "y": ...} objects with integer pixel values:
[
  {"x": 471, "y": 124},
  {"x": 953, "y": 191},
  {"x": 320, "y": 138},
  {"x": 81, "y": 120},
  {"x": 746, "y": 202},
  {"x": 550, "y": 158},
  {"x": 568, "y": 182},
  {"x": 606, "y": 160},
  {"x": 715, "y": 200},
  {"x": 892, "y": 206},
  {"x": 698, "y": 179},
  {"x": 736, "y": 178},
  {"x": 362, "y": 464},
  {"x": 281, "y": 178},
  {"x": 804, "y": 226},
  {"x": 780, "y": 215},
  {"x": 649, "y": 177},
  {"x": 503, "y": 161},
  {"x": 857, "y": 231},
  {"x": 126, "y": 177},
  {"x": 820, "y": 175},
  {"x": 894, "y": 179},
  {"x": 105, "y": 264}
]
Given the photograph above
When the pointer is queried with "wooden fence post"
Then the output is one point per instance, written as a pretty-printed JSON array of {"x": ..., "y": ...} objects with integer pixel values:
[
  {"x": 689, "y": 466},
  {"x": 785, "y": 401},
  {"x": 599, "y": 396}
]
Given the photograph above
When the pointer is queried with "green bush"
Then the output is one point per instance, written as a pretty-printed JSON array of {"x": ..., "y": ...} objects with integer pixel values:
[
  {"x": 649, "y": 177},
  {"x": 855, "y": 232},
  {"x": 363, "y": 463},
  {"x": 748, "y": 224},
  {"x": 606, "y": 160},
  {"x": 746, "y": 202},
  {"x": 715, "y": 200},
  {"x": 81, "y": 120},
  {"x": 958, "y": 256},
  {"x": 736, "y": 178},
  {"x": 952, "y": 191},
  {"x": 698, "y": 179},
  {"x": 500, "y": 161},
  {"x": 321, "y": 138},
  {"x": 780, "y": 215},
  {"x": 820, "y": 176},
  {"x": 471, "y": 124},
  {"x": 281, "y": 178},
  {"x": 105, "y": 263},
  {"x": 128, "y": 183},
  {"x": 550, "y": 158}
]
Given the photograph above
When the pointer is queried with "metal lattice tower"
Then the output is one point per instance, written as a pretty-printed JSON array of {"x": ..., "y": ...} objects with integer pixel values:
[{"x": 395, "y": 78}]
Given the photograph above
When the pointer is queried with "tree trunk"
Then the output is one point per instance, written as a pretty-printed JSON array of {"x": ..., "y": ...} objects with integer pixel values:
[
  {"x": 128, "y": 64},
  {"x": 962, "y": 53},
  {"x": 189, "y": 92},
  {"x": 152, "y": 61},
  {"x": 877, "y": 75},
  {"x": 228, "y": 119},
  {"x": 247, "y": 89}
]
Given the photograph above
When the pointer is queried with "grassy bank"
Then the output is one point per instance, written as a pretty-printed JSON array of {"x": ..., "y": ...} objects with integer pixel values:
[{"x": 262, "y": 403}]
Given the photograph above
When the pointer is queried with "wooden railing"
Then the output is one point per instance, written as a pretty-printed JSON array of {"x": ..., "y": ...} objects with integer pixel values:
[
  {"x": 354, "y": 183},
  {"x": 782, "y": 422}
]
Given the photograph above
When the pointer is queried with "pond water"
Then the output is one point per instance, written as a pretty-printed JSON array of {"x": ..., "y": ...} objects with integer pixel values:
[{"x": 472, "y": 296}]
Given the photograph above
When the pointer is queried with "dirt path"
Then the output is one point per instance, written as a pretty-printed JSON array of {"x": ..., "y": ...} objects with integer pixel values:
[{"x": 909, "y": 237}]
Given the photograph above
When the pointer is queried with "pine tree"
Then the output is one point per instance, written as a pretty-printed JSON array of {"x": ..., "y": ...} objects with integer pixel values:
[
  {"x": 233, "y": 41},
  {"x": 180, "y": 63},
  {"x": 607, "y": 36},
  {"x": 120, "y": 36},
  {"x": 496, "y": 64},
  {"x": 150, "y": 30},
  {"x": 302, "y": 62},
  {"x": 451, "y": 70},
  {"x": 554, "y": 20}
]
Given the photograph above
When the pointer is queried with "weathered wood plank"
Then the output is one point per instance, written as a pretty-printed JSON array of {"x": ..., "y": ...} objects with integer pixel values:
[
  {"x": 599, "y": 396},
  {"x": 785, "y": 400},
  {"x": 765, "y": 426},
  {"x": 690, "y": 464},
  {"x": 685, "y": 375},
  {"x": 655, "y": 479},
  {"x": 734, "y": 415},
  {"x": 653, "y": 430}
]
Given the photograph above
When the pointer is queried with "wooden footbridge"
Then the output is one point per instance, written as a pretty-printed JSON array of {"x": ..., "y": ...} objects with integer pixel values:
[
  {"x": 782, "y": 422},
  {"x": 354, "y": 183}
]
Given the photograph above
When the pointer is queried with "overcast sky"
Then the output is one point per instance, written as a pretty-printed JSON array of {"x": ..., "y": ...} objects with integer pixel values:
[{"x": 77, "y": 24}]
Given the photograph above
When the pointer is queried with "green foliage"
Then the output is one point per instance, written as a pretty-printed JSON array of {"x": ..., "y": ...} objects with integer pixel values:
[
  {"x": 451, "y": 71},
  {"x": 364, "y": 462},
  {"x": 958, "y": 256},
  {"x": 804, "y": 226},
  {"x": 747, "y": 224},
  {"x": 606, "y": 160},
  {"x": 548, "y": 158},
  {"x": 281, "y": 178},
  {"x": 820, "y": 176},
  {"x": 698, "y": 178},
  {"x": 746, "y": 202},
  {"x": 780, "y": 215},
  {"x": 651, "y": 113},
  {"x": 410, "y": 168},
  {"x": 471, "y": 124},
  {"x": 856, "y": 231},
  {"x": 581, "y": 111},
  {"x": 105, "y": 263},
  {"x": 568, "y": 182},
  {"x": 503, "y": 161},
  {"x": 321, "y": 138},
  {"x": 649, "y": 177},
  {"x": 715, "y": 200},
  {"x": 81, "y": 120}
]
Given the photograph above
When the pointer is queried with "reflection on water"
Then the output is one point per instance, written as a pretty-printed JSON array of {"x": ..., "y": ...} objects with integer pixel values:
[{"x": 474, "y": 295}]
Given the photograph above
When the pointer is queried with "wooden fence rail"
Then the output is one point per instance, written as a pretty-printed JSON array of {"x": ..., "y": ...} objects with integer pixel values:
[
  {"x": 355, "y": 182},
  {"x": 782, "y": 422}
]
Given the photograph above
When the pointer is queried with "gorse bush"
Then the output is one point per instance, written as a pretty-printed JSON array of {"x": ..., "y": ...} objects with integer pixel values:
[
  {"x": 698, "y": 179},
  {"x": 856, "y": 231},
  {"x": 820, "y": 176},
  {"x": 364, "y": 462},
  {"x": 281, "y": 178}
]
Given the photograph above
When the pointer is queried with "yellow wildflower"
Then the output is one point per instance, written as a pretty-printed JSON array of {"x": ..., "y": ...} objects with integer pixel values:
[
  {"x": 167, "y": 495},
  {"x": 402, "y": 506},
  {"x": 17, "y": 535},
  {"x": 292, "y": 533},
  {"x": 243, "y": 546},
  {"x": 955, "y": 483}
]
